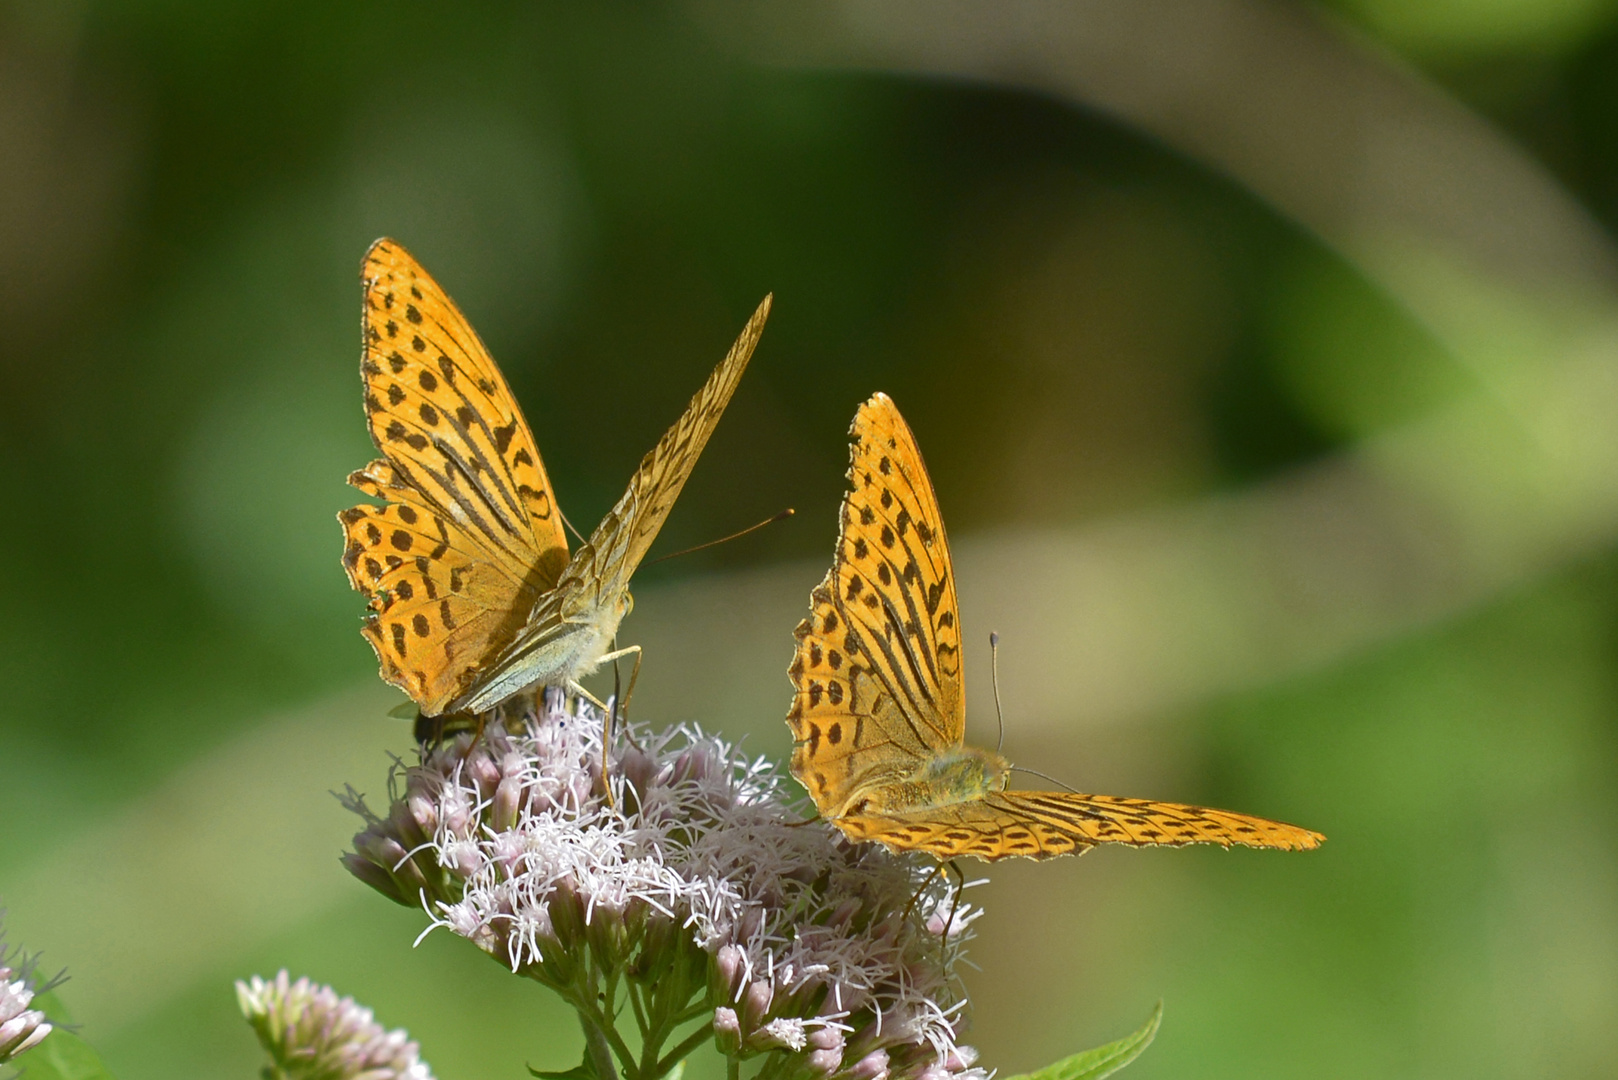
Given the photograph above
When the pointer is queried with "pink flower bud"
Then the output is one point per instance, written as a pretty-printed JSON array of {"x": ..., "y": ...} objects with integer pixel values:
[
  {"x": 483, "y": 771},
  {"x": 455, "y": 810},
  {"x": 727, "y": 1029},
  {"x": 756, "y": 1002},
  {"x": 376, "y": 877},
  {"x": 873, "y": 1066},
  {"x": 402, "y": 825},
  {"x": 383, "y": 850},
  {"x": 21, "y": 1032},
  {"x": 423, "y": 810},
  {"x": 728, "y": 967},
  {"x": 638, "y": 768},
  {"x": 503, "y": 810},
  {"x": 826, "y": 1062}
]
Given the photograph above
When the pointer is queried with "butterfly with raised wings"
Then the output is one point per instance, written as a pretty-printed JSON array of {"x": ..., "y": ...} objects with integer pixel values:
[
  {"x": 473, "y": 596},
  {"x": 879, "y": 711}
]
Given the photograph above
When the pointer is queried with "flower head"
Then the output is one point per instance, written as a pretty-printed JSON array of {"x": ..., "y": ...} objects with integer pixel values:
[
  {"x": 311, "y": 1034},
  {"x": 21, "y": 1028},
  {"x": 699, "y": 886}
]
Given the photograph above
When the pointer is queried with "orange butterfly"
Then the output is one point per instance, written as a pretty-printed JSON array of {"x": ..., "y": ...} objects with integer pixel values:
[
  {"x": 879, "y": 715},
  {"x": 473, "y": 597}
]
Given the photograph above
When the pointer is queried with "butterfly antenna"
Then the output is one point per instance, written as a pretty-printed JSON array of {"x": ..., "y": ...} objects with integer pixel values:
[
  {"x": 1044, "y": 776},
  {"x": 994, "y": 678},
  {"x": 577, "y": 535},
  {"x": 782, "y": 516}
]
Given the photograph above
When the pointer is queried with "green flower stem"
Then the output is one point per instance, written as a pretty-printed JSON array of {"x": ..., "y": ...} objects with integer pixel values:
[
  {"x": 702, "y": 1008},
  {"x": 684, "y": 1050},
  {"x": 658, "y": 1012},
  {"x": 603, "y": 1024},
  {"x": 595, "y": 1045},
  {"x": 664, "y": 1025},
  {"x": 640, "y": 1013}
]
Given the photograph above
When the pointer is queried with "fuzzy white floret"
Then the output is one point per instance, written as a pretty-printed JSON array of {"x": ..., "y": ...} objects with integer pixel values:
[{"x": 703, "y": 838}]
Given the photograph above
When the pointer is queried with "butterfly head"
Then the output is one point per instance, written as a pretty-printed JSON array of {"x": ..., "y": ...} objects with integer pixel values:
[{"x": 610, "y": 614}]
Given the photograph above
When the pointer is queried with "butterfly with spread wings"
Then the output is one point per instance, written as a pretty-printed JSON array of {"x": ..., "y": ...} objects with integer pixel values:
[
  {"x": 879, "y": 712},
  {"x": 473, "y": 596}
]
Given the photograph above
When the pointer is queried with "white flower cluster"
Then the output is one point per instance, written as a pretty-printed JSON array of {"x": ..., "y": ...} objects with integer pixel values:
[
  {"x": 21, "y": 1028},
  {"x": 827, "y": 956},
  {"x": 312, "y": 1034}
]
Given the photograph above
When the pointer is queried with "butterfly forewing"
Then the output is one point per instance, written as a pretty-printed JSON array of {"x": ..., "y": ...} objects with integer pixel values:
[
  {"x": 440, "y": 410},
  {"x": 877, "y": 666},
  {"x": 570, "y": 628},
  {"x": 894, "y": 580},
  {"x": 601, "y": 569},
  {"x": 470, "y": 538}
]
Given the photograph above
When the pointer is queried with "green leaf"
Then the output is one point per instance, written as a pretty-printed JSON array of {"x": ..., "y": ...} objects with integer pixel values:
[
  {"x": 1103, "y": 1060},
  {"x": 54, "y": 1008},
  {"x": 582, "y": 1071},
  {"x": 63, "y": 1056}
]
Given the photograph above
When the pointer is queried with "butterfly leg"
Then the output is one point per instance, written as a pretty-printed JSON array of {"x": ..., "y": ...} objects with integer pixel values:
[
  {"x": 634, "y": 672},
  {"x": 606, "y": 708},
  {"x": 578, "y": 691},
  {"x": 932, "y": 877},
  {"x": 620, "y": 705},
  {"x": 954, "y": 903}
]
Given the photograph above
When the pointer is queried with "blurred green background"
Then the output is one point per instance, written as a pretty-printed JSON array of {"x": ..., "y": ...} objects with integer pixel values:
[{"x": 1264, "y": 360}]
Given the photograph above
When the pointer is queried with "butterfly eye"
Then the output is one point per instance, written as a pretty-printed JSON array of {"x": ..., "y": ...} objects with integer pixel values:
[{"x": 628, "y": 603}]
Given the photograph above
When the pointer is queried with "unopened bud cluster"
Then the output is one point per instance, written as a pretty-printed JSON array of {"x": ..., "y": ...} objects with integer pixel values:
[
  {"x": 21, "y": 1028},
  {"x": 696, "y": 883},
  {"x": 312, "y": 1034}
]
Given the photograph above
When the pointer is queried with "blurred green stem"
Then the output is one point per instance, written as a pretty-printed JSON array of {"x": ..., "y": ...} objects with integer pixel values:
[
  {"x": 596, "y": 1045},
  {"x": 685, "y": 1049}
]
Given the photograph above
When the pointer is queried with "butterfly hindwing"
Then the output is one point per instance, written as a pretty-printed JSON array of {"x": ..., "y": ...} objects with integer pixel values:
[
  {"x": 1113, "y": 819},
  {"x": 980, "y": 828},
  {"x": 848, "y": 731},
  {"x": 1045, "y": 824},
  {"x": 435, "y": 606}
]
